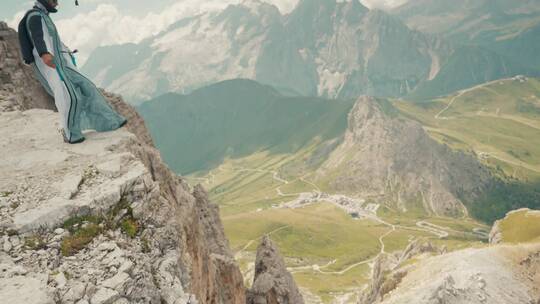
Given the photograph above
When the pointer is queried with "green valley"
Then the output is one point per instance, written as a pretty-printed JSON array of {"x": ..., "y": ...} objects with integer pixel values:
[
  {"x": 499, "y": 122},
  {"x": 327, "y": 250},
  {"x": 230, "y": 137}
]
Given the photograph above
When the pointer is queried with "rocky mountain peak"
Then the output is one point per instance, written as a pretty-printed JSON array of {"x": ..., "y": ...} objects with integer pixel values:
[
  {"x": 272, "y": 284},
  {"x": 258, "y": 6},
  {"x": 379, "y": 19},
  {"x": 393, "y": 158},
  {"x": 314, "y": 5},
  {"x": 316, "y": 18},
  {"x": 251, "y": 11}
]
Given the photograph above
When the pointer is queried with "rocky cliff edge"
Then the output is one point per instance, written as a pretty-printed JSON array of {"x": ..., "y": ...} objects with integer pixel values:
[{"x": 102, "y": 222}]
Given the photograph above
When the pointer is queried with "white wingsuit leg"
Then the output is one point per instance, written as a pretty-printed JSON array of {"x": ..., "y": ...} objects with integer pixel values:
[{"x": 57, "y": 87}]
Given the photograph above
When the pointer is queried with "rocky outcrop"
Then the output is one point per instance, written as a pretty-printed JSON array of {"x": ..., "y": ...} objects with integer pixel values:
[
  {"x": 105, "y": 222},
  {"x": 498, "y": 274},
  {"x": 373, "y": 292},
  {"x": 85, "y": 223},
  {"x": 18, "y": 88},
  {"x": 518, "y": 226},
  {"x": 495, "y": 235},
  {"x": 136, "y": 124},
  {"x": 387, "y": 157},
  {"x": 101, "y": 222},
  {"x": 272, "y": 283},
  {"x": 387, "y": 273}
]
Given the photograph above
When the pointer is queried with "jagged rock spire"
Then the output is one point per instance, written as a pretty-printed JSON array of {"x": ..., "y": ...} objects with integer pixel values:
[{"x": 273, "y": 284}]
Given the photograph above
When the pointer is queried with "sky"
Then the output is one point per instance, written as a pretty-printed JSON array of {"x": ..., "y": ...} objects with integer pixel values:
[{"x": 105, "y": 22}]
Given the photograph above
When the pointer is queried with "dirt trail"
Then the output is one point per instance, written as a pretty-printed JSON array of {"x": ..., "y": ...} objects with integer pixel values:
[{"x": 463, "y": 92}]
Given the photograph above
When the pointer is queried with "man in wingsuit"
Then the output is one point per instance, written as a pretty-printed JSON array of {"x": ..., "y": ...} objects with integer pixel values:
[{"x": 80, "y": 104}]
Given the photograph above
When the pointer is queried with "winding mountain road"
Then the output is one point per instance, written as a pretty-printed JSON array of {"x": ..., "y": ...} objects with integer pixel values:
[{"x": 421, "y": 226}]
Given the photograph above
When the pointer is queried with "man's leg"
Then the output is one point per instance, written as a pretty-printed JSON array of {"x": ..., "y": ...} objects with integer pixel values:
[{"x": 62, "y": 99}]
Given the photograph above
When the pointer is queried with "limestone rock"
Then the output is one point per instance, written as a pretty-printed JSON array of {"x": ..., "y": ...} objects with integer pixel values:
[
  {"x": 135, "y": 123},
  {"x": 56, "y": 190},
  {"x": 178, "y": 254},
  {"x": 387, "y": 273},
  {"x": 498, "y": 274},
  {"x": 104, "y": 296},
  {"x": 25, "y": 290},
  {"x": 415, "y": 248},
  {"x": 272, "y": 284},
  {"x": 391, "y": 158},
  {"x": 19, "y": 90},
  {"x": 495, "y": 235},
  {"x": 373, "y": 292}
]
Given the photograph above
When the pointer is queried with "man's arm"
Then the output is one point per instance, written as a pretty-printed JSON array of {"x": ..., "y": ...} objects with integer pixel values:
[{"x": 36, "y": 32}]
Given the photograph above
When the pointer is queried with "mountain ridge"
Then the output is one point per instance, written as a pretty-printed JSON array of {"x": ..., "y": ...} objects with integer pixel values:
[
  {"x": 383, "y": 154},
  {"x": 213, "y": 120},
  {"x": 329, "y": 49}
]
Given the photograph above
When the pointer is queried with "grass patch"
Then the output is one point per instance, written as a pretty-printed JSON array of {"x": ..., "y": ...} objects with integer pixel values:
[
  {"x": 130, "y": 227},
  {"x": 35, "y": 242},
  {"x": 83, "y": 229},
  {"x": 74, "y": 223},
  {"x": 79, "y": 239},
  {"x": 5, "y": 193},
  {"x": 145, "y": 245},
  {"x": 521, "y": 227},
  {"x": 501, "y": 120}
]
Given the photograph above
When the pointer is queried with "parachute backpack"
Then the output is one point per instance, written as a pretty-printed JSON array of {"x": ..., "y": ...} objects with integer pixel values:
[{"x": 24, "y": 39}]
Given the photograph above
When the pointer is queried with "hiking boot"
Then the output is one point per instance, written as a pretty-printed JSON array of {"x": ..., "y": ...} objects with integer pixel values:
[{"x": 78, "y": 141}]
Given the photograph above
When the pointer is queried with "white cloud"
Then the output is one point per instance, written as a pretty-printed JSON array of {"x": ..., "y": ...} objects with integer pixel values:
[
  {"x": 14, "y": 23},
  {"x": 107, "y": 25},
  {"x": 382, "y": 3}
]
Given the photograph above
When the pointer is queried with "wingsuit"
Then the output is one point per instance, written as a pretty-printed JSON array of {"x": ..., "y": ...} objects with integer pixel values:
[{"x": 80, "y": 104}]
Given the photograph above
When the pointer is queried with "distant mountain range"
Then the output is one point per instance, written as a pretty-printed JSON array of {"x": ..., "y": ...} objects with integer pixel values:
[
  {"x": 237, "y": 118},
  {"x": 510, "y": 28},
  {"x": 322, "y": 48},
  {"x": 471, "y": 20}
]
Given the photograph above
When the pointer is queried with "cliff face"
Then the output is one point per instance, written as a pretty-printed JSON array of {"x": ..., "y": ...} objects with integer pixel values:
[
  {"x": 386, "y": 156},
  {"x": 101, "y": 222}
]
